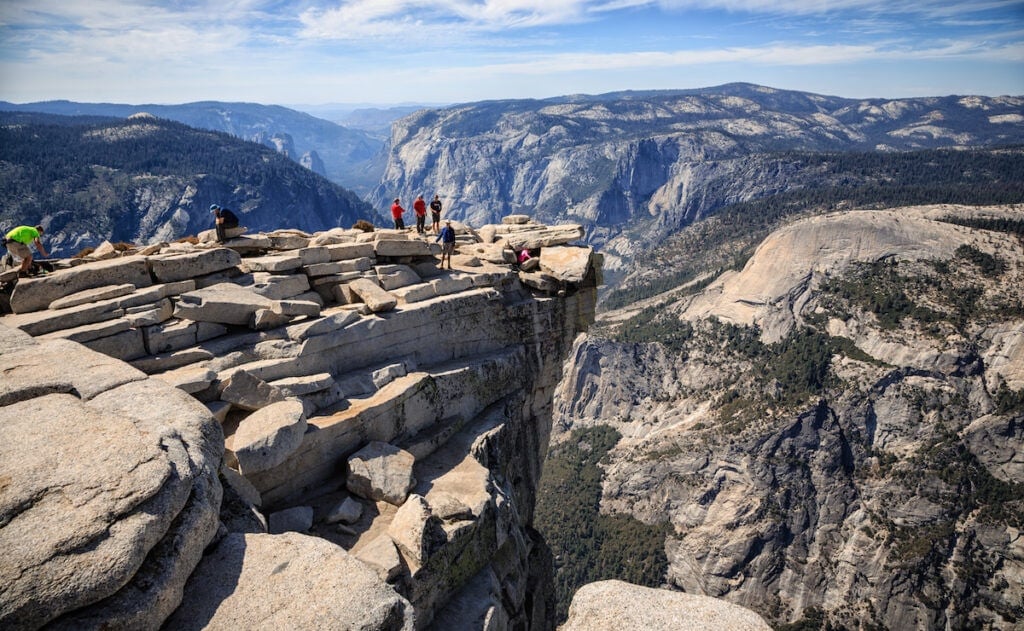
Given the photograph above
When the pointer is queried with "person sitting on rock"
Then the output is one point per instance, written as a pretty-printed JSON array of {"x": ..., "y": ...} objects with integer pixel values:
[
  {"x": 447, "y": 239},
  {"x": 224, "y": 220},
  {"x": 17, "y": 242}
]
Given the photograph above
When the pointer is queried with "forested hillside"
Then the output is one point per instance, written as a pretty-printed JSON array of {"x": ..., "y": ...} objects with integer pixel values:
[{"x": 145, "y": 179}]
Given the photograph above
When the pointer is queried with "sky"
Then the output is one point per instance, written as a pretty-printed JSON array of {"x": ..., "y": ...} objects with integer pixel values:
[{"x": 388, "y": 52}]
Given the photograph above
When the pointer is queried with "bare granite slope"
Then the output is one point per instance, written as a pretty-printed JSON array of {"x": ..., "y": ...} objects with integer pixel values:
[{"x": 376, "y": 426}]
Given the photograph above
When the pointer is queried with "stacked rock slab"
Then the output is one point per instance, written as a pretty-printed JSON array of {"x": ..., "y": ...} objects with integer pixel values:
[{"x": 393, "y": 413}]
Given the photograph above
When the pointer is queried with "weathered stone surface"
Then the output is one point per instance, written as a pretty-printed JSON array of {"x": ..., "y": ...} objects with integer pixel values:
[
  {"x": 296, "y": 308},
  {"x": 288, "y": 581},
  {"x": 567, "y": 264},
  {"x": 126, "y": 345},
  {"x": 169, "y": 337},
  {"x": 370, "y": 293},
  {"x": 265, "y": 438},
  {"x": 279, "y": 286},
  {"x": 347, "y": 511},
  {"x": 277, "y": 263},
  {"x": 345, "y": 251},
  {"x": 88, "y": 332},
  {"x": 249, "y": 392},
  {"x": 395, "y": 276},
  {"x": 282, "y": 240},
  {"x": 416, "y": 530},
  {"x": 148, "y": 315},
  {"x": 167, "y": 269},
  {"x": 382, "y": 554},
  {"x": 543, "y": 238},
  {"x": 130, "y": 459},
  {"x": 294, "y": 519},
  {"x": 620, "y": 605},
  {"x": 225, "y": 303},
  {"x": 327, "y": 324},
  {"x": 190, "y": 379},
  {"x": 306, "y": 384},
  {"x": 313, "y": 255},
  {"x": 515, "y": 219},
  {"x": 414, "y": 293},
  {"x": 381, "y": 471},
  {"x": 33, "y": 294},
  {"x": 391, "y": 247},
  {"x": 92, "y": 295}
]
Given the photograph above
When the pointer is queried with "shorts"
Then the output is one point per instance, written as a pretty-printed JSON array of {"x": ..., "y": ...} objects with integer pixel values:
[
  {"x": 435, "y": 217},
  {"x": 447, "y": 247},
  {"x": 18, "y": 249}
]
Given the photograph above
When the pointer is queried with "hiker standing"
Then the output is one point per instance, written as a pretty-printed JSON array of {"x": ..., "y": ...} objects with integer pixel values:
[
  {"x": 435, "y": 214},
  {"x": 396, "y": 214},
  {"x": 224, "y": 220},
  {"x": 419, "y": 207},
  {"x": 17, "y": 242},
  {"x": 447, "y": 239}
]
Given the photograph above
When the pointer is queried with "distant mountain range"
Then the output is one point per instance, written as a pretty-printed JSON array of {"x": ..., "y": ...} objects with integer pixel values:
[
  {"x": 350, "y": 157},
  {"x": 635, "y": 167},
  {"x": 145, "y": 179}
]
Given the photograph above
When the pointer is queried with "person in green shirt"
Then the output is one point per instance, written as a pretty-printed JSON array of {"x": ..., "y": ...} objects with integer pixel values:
[{"x": 17, "y": 242}]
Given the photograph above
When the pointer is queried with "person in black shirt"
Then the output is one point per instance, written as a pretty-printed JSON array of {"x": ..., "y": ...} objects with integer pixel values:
[{"x": 224, "y": 219}]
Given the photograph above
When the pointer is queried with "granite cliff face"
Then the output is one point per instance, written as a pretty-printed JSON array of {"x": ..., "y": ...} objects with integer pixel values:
[
  {"x": 834, "y": 431},
  {"x": 300, "y": 430},
  {"x": 634, "y": 167}
]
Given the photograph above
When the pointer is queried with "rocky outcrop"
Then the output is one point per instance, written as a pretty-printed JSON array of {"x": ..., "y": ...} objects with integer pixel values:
[
  {"x": 619, "y": 605},
  {"x": 832, "y": 434},
  {"x": 379, "y": 424},
  {"x": 110, "y": 488}
]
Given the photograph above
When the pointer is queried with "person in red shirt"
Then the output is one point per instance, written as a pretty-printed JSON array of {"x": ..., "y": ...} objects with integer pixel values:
[
  {"x": 396, "y": 214},
  {"x": 420, "y": 208}
]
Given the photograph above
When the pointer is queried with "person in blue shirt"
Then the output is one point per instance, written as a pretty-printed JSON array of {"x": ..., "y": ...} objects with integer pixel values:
[{"x": 447, "y": 239}]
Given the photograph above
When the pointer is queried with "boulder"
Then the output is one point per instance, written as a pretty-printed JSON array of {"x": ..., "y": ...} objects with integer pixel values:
[
  {"x": 33, "y": 294},
  {"x": 274, "y": 263},
  {"x": 172, "y": 268},
  {"x": 381, "y": 471},
  {"x": 288, "y": 581},
  {"x": 545, "y": 237},
  {"x": 266, "y": 438},
  {"x": 620, "y": 605},
  {"x": 92, "y": 295},
  {"x": 382, "y": 554},
  {"x": 567, "y": 264},
  {"x": 515, "y": 219},
  {"x": 225, "y": 303},
  {"x": 416, "y": 530},
  {"x": 348, "y": 511},
  {"x": 344, "y": 251},
  {"x": 138, "y": 466},
  {"x": 370, "y": 293},
  {"x": 395, "y": 276},
  {"x": 391, "y": 247},
  {"x": 279, "y": 286},
  {"x": 294, "y": 519},
  {"x": 249, "y": 392}
]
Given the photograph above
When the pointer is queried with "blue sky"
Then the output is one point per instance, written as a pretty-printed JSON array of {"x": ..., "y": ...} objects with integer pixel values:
[{"x": 448, "y": 51}]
